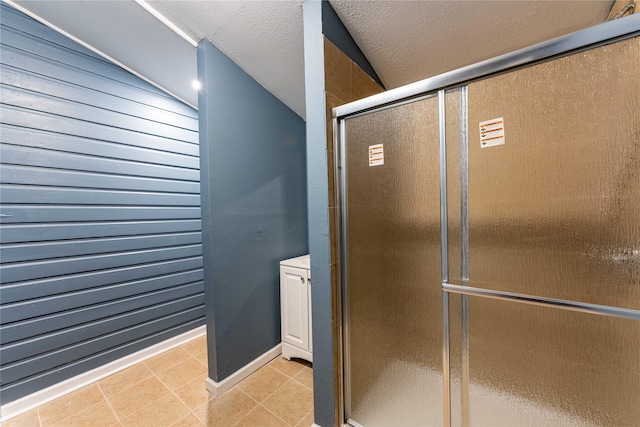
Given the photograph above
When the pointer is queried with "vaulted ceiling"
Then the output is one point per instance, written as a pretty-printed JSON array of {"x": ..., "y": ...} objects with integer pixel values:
[{"x": 405, "y": 41}]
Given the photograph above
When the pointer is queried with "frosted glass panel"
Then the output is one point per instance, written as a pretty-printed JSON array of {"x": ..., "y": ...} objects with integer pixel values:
[
  {"x": 555, "y": 211},
  {"x": 394, "y": 356},
  {"x": 538, "y": 366}
]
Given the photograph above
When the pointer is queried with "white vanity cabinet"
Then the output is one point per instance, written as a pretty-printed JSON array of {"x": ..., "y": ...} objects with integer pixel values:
[{"x": 295, "y": 303}]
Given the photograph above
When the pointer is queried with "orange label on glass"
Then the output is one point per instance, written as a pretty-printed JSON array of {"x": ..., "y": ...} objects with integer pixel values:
[
  {"x": 376, "y": 155},
  {"x": 492, "y": 132}
]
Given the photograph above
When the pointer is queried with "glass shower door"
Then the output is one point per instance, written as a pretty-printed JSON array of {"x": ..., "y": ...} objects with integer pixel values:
[
  {"x": 541, "y": 238},
  {"x": 393, "y": 354},
  {"x": 555, "y": 213}
]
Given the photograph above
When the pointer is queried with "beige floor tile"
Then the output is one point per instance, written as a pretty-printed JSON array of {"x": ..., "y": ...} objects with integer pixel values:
[
  {"x": 288, "y": 367},
  {"x": 188, "y": 421},
  {"x": 98, "y": 415},
  {"x": 226, "y": 410},
  {"x": 124, "y": 379},
  {"x": 291, "y": 402},
  {"x": 305, "y": 377},
  {"x": 203, "y": 358},
  {"x": 28, "y": 419},
  {"x": 307, "y": 420},
  {"x": 180, "y": 374},
  {"x": 260, "y": 417},
  {"x": 262, "y": 383},
  {"x": 166, "y": 360},
  {"x": 130, "y": 401},
  {"x": 197, "y": 346},
  {"x": 162, "y": 412},
  {"x": 194, "y": 393},
  {"x": 65, "y": 406},
  {"x": 169, "y": 390}
]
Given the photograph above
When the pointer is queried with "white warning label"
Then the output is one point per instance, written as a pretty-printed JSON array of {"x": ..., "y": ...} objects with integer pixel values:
[
  {"x": 376, "y": 155},
  {"x": 492, "y": 132}
]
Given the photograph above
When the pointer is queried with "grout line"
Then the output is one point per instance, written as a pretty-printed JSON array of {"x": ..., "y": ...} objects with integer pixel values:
[
  {"x": 149, "y": 402},
  {"x": 109, "y": 403},
  {"x": 206, "y": 365},
  {"x": 245, "y": 415},
  {"x": 182, "y": 418},
  {"x": 300, "y": 382},
  {"x": 166, "y": 386},
  {"x": 60, "y": 423},
  {"x": 180, "y": 399},
  {"x": 250, "y": 397},
  {"x": 308, "y": 412},
  {"x": 130, "y": 384},
  {"x": 261, "y": 405},
  {"x": 198, "y": 355},
  {"x": 274, "y": 392},
  {"x": 284, "y": 373},
  {"x": 190, "y": 353},
  {"x": 181, "y": 385},
  {"x": 289, "y": 379},
  {"x": 143, "y": 406},
  {"x": 276, "y": 415},
  {"x": 244, "y": 392},
  {"x": 193, "y": 411},
  {"x": 160, "y": 354},
  {"x": 38, "y": 413},
  {"x": 172, "y": 391}
]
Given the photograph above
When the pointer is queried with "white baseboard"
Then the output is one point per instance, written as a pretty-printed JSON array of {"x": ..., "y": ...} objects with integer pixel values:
[
  {"x": 218, "y": 388},
  {"x": 55, "y": 391}
]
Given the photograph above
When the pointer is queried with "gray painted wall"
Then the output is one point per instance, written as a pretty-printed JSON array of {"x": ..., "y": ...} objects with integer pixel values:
[
  {"x": 320, "y": 20},
  {"x": 100, "y": 230},
  {"x": 254, "y": 208},
  {"x": 318, "y": 199}
]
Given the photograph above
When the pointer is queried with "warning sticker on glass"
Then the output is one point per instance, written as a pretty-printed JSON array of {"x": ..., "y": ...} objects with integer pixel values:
[
  {"x": 492, "y": 132},
  {"x": 376, "y": 155}
]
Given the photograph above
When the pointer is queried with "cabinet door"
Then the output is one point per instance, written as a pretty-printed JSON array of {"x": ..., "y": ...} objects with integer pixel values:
[{"x": 294, "y": 294}]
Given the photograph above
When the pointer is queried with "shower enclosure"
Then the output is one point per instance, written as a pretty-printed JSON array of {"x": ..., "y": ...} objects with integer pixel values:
[{"x": 490, "y": 241}]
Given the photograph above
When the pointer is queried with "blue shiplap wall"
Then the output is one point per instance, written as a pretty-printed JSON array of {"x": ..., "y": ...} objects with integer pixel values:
[{"x": 101, "y": 243}]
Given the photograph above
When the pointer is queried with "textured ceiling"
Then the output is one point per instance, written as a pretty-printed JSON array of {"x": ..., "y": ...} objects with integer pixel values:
[
  {"x": 263, "y": 37},
  {"x": 405, "y": 41},
  {"x": 128, "y": 34}
]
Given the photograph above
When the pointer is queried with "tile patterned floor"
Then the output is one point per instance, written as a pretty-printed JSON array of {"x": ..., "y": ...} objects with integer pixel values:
[{"x": 168, "y": 390}]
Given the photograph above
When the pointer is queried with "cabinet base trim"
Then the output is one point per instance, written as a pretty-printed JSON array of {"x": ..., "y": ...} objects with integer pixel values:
[
  {"x": 217, "y": 388},
  {"x": 289, "y": 351}
]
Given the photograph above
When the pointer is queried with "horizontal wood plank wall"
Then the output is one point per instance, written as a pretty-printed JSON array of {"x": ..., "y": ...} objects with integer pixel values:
[{"x": 100, "y": 233}]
